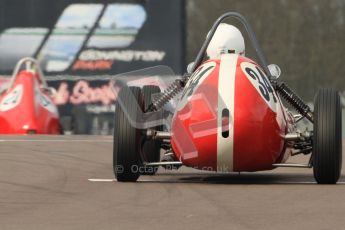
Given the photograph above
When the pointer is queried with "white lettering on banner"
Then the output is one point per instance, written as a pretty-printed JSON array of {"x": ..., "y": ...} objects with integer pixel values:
[
  {"x": 97, "y": 109},
  {"x": 84, "y": 93},
  {"x": 122, "y": 55}
]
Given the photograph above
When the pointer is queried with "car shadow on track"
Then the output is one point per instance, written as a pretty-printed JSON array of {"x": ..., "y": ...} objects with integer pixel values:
[{"x": 241, "y": 179}]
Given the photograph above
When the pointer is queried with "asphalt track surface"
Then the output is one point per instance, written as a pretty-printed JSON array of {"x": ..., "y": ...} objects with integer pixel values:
[{"x": 66, "y": 182}]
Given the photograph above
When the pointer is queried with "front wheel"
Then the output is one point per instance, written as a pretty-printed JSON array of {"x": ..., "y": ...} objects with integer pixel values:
[
  {"x": 327, "y": 146},
  {"x": 127, "y": 138}
]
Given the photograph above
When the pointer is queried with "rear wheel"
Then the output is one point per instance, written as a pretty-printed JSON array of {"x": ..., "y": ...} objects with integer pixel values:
[
  {"x": 127, "y": 139},
  {"x": 327, "y": 146}
]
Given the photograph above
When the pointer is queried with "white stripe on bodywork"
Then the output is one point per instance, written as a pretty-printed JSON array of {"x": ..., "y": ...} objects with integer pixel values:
[{"x": 226, "y": 100}]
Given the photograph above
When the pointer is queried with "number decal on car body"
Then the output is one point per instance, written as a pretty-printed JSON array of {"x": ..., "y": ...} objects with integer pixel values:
[
  {"x": 12, "y": 99},
  {"x": 194, "y": 82},
  {"x": 261, "y": 83}
]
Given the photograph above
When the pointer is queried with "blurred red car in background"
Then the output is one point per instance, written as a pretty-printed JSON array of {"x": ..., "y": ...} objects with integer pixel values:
[{"x": 26, "y": 105}]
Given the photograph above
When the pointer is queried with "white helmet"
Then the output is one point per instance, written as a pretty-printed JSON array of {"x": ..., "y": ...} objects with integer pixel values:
[{"x": 227, "y": 39}]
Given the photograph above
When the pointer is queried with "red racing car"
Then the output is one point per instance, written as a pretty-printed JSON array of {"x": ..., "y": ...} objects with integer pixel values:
[
  {"x": 26, "y": 106},
  {"x": 229, "y": 118}
]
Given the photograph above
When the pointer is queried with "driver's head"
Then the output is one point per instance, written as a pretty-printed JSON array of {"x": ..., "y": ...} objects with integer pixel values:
[{"x": 227, "y": 39}]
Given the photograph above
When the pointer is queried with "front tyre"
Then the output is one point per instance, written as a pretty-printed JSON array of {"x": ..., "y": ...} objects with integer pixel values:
[
  {"x": 327, "y": 146},
  {"x": 127, "y": 139}
]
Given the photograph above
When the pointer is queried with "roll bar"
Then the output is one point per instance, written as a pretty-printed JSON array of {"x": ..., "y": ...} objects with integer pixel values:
[
  {"x": 30, "y": 64},
  {"x": 252, "y": 37}
]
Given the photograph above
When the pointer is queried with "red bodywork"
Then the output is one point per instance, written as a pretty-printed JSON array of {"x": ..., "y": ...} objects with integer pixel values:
[
  {"x": 230, "y": 119},
  {"x": 25, "y": 108}
]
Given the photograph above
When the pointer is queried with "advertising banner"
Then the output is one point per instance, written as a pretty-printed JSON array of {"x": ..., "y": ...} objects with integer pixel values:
[{"x": 80, "y": 45}]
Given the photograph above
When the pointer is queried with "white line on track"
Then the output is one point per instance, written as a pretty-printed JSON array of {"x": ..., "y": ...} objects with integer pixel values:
[
  {"x": 55, "y": 140},
  {"x": 101, "y": 180}
]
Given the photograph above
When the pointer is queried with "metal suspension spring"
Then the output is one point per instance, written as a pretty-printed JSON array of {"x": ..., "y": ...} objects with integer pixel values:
[
  {"x": 292, "y": 98},
  {"x": 169, "y": 93}
]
